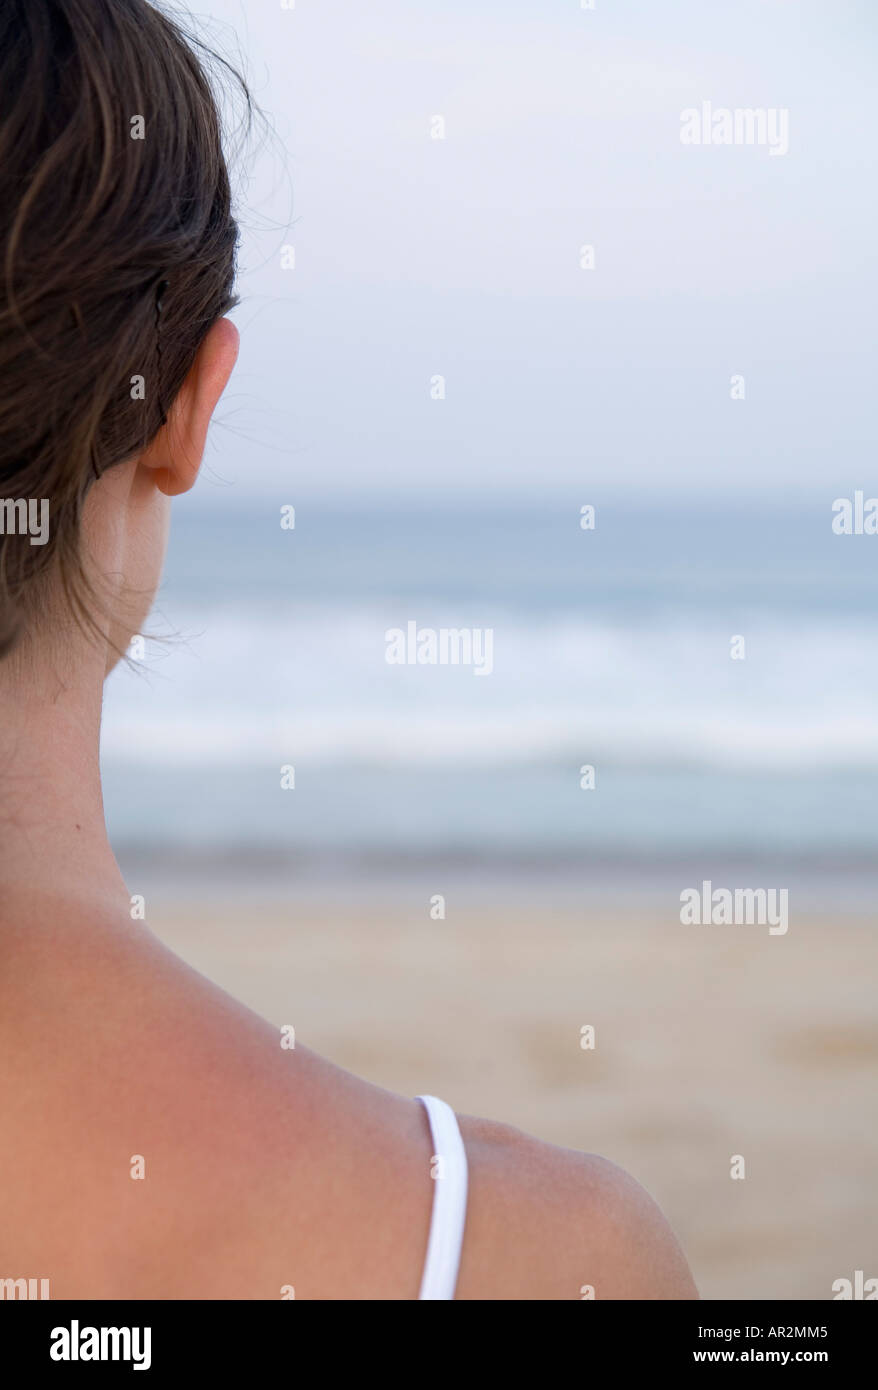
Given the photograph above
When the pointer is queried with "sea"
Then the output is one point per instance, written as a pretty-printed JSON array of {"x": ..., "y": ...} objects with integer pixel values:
[{"x": 684, "y": 691}]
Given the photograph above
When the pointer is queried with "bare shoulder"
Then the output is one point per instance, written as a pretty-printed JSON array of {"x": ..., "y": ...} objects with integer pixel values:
[{"x": 552, "y": 1223}]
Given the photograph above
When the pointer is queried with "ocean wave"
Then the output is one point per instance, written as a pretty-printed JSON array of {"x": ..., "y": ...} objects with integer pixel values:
[{"x": 312, "y": 684}]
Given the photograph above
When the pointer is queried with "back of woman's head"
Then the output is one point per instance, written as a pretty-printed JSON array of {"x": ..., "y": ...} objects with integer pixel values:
[{"x": 117, "y": 254}]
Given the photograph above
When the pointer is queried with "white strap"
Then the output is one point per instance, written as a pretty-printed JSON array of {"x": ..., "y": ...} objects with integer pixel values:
[{"x": 449, "y": 1171}]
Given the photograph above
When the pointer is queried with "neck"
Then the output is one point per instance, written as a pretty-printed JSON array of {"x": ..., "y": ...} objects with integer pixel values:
[{"x": 53, "y": 840}]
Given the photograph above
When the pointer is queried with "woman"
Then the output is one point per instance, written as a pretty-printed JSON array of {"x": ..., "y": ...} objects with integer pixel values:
[{"x": 157, "y": 1139}]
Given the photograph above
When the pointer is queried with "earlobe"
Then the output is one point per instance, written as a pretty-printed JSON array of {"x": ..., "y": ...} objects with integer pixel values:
[{"x": 176, "y": 452}]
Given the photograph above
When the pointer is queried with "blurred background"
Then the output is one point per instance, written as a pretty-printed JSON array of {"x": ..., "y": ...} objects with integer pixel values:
[{"x": 375, "y": 259}]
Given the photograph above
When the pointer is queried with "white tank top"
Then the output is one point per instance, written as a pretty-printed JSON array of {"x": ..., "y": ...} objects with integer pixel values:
[{"x": 449, "y": 1171}]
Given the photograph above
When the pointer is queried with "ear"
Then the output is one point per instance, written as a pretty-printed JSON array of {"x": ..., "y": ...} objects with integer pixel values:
[{"x": 176, "y": 452}]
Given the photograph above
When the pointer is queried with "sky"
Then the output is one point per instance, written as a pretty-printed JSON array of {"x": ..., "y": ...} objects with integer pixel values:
[{"x": 460, "y": 257}]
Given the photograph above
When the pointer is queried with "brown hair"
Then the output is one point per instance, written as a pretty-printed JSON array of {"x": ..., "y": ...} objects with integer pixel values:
[{"x": 118, "y": 251}]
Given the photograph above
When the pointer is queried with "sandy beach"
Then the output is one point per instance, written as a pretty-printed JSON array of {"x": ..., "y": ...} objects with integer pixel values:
[{"x": 710, "y": 1042}]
